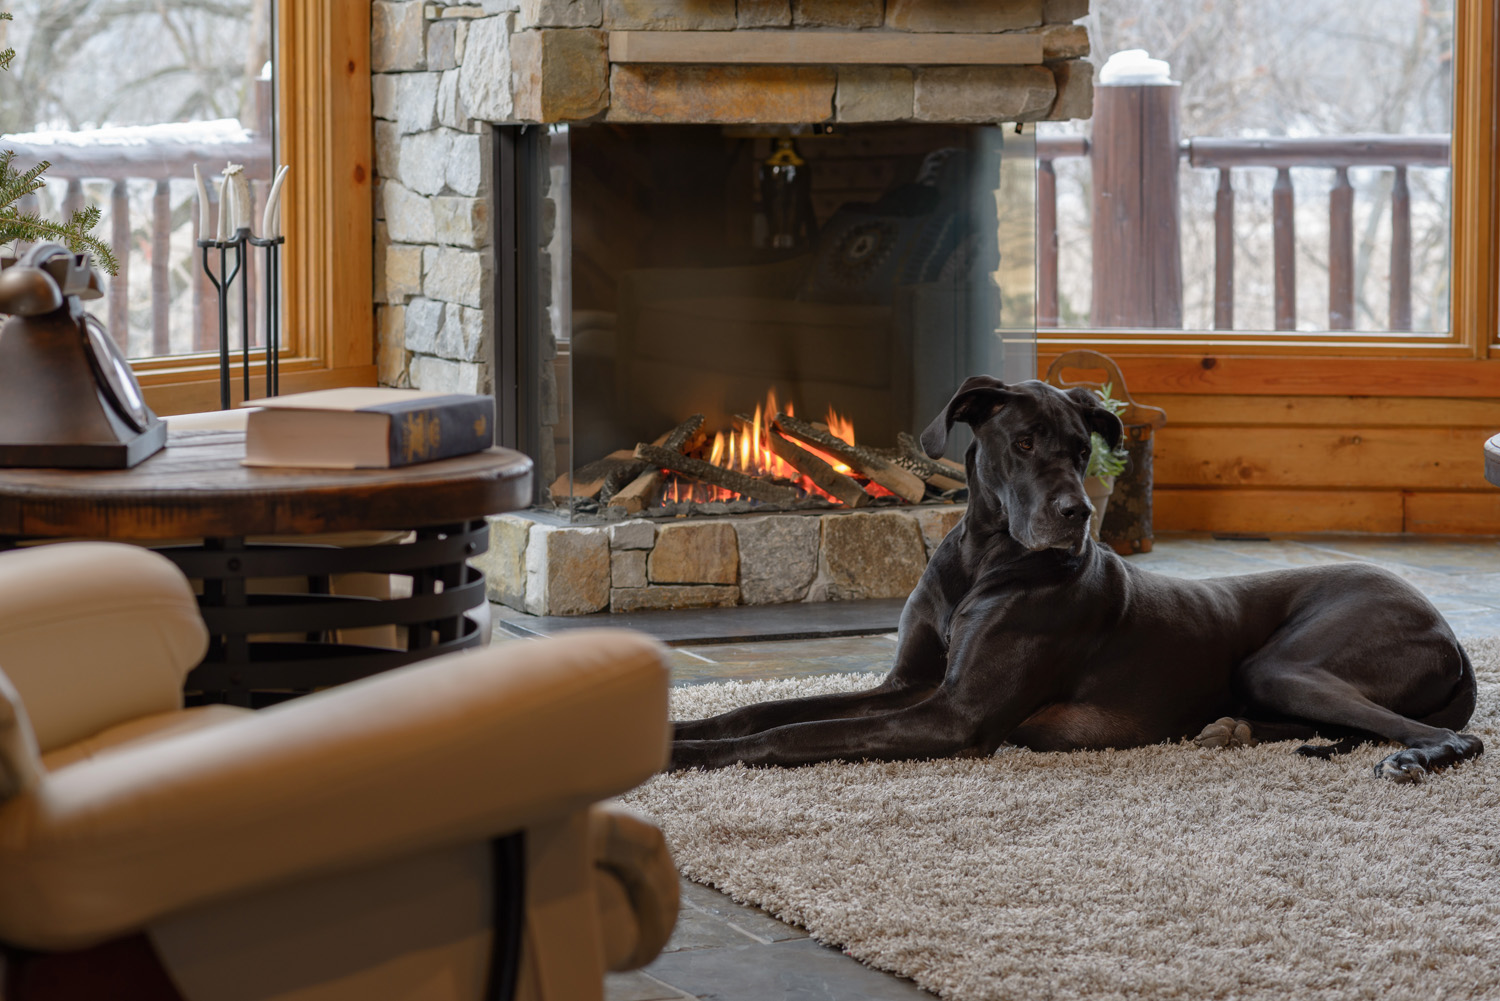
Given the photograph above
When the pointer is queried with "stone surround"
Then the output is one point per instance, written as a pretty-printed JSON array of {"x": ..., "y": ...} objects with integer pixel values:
[
  {"x": 443, "y": 72},
  {"x": 549, "y": 569}
]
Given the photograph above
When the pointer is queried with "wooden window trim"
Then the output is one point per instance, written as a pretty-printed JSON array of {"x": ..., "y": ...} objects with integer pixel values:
[
  {"x": 1456, "y": 365},
  {"x": 325, "y": 130}
]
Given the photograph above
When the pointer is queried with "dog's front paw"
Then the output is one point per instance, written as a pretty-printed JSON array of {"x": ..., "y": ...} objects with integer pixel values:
[{"x": 1226, "y": 732}]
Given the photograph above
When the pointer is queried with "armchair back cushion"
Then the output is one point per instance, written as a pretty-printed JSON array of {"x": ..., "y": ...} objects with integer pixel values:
[{"x": 93, "y": 634}]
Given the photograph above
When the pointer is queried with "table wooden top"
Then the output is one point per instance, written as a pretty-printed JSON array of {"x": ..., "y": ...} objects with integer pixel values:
[{"x": 196, "y": 487}]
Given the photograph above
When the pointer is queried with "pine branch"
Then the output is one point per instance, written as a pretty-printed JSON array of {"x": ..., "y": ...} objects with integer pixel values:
[{"x": 75, "y": 233}]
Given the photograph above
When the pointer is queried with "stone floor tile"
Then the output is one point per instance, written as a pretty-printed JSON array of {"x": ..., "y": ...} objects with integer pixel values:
[
  {"x": 698, "y": 929},
  {"x": 811, "y": 649},
  {"x": 1441, "y": 555},
  {"x": 1275, "y": 552},
  {"x": 752, "y": 921},
  {"x": 794, "y": 971},
  {"x": 638, "y": 986}
]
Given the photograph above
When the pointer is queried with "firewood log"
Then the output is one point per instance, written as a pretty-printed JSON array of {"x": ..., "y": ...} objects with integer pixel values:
[
  {"x": 740, "y": 483},
  {"x": 866, "y": 461},
  {"x": 847, "y": 491}
]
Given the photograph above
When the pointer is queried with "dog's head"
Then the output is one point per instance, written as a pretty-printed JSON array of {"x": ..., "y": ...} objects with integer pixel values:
[{"x": 1031, "y": 445}]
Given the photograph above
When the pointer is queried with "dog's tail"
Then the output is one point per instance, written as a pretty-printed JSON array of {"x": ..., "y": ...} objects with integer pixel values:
[{"x": 1460, "y": 705}]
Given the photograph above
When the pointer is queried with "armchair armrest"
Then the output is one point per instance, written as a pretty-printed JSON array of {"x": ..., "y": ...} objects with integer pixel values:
[
  {"x": 457, "y": 749},
  {"x": 93, "y": 634}
]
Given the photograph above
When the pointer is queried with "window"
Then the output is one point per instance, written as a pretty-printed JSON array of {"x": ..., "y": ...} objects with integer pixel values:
[
  {"x": 1293, "y": 182},
  {"x": 123, "y": 99},
  {"x": 323, "y": 123}
]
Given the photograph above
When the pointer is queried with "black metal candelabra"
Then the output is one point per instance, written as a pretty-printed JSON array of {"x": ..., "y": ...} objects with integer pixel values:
[
  {"x": 223, "y": 284},
  {"x": 272, "y": 273}
]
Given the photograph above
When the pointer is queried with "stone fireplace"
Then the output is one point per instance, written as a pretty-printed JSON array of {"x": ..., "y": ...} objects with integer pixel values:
[{"x": 594, "y": 210}]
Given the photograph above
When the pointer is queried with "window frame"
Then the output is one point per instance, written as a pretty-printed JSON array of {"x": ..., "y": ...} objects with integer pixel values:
[
  {"x": 325, "y": 132},
  {"x": 1458, "y": 364}
]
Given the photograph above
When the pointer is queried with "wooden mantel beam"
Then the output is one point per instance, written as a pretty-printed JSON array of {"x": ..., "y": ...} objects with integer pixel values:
[{"x": 794, "y": 48}]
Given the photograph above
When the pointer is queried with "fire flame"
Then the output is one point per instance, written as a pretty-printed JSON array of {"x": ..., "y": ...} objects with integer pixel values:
[{"x": 746, "y": 449}]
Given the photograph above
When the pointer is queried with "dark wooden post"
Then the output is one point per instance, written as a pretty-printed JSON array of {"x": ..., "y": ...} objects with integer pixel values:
[{"x": 1137, "y": 242}]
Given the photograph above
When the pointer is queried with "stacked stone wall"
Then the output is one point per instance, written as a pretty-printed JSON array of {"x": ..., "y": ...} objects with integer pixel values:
[{"x": 444, "y": 72}]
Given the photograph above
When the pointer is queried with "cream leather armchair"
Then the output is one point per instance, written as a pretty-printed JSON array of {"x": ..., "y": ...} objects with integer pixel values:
[{"x": 332, "y": 848}]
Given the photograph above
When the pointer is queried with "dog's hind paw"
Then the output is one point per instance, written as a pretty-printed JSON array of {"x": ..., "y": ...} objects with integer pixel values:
[{"x": 1226, "y": 732}]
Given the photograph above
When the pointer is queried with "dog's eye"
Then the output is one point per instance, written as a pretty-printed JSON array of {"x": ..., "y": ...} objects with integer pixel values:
[{"x": 1024, "y": 444}]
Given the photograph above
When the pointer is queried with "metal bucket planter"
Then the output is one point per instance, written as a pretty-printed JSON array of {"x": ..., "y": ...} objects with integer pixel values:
[{"x": 1123, "y": 514}]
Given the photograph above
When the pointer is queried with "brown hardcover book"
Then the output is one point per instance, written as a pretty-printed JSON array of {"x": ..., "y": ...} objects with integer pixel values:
[{"x": 361, "y": 428}]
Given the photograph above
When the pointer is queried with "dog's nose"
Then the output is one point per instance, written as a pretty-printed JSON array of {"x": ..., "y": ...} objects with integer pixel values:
[{"x": 1074, "y": 508}]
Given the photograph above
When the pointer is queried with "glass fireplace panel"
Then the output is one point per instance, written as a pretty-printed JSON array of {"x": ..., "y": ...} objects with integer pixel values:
[{"x": 847, "y": 279}]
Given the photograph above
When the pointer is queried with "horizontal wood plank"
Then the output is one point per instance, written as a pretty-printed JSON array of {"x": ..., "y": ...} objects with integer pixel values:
[
  {"x": 1361, "y": 457},
  {"x": 824, "y": 47},
  {"x": 1276, "y": 511},
  {"x": 1445, "y": 513},
  {"x": 197, "y": 395},
  {"x": 1187, "y": 409},
  {"x": 1312, "y": 376}
]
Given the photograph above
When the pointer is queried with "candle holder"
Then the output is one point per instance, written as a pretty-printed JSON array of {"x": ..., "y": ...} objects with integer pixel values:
[
  {"x": 234, "y": 213},
  {"x": 272, "y": 272},
  {"x": 222, "y": 283}
]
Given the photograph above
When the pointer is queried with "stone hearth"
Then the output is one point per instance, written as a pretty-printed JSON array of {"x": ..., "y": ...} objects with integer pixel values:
[{"x": 556, "y": 569}]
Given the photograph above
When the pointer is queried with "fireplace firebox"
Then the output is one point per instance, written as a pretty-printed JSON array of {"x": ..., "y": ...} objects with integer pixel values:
[{"x": 707, "y": 320}]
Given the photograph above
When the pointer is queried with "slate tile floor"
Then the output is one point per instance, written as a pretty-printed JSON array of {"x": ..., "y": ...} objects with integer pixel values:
[{"x": 725, "y": 951}]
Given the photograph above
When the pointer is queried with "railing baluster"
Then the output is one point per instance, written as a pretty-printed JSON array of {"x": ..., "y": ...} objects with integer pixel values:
[
  {"x": 1284, "y": 239},
  {"x": 1400, "y": 318},
  {"x": 1341, "y": 253},
  {"x": 73, "y": 200},
  {"x": 201, "y": 336},
  {"x": 1046, "y": 236},
  {"x": 119, "y": 285},
  {"x": 161, "y": 262},
  {"x": 1224, "y": 253}
]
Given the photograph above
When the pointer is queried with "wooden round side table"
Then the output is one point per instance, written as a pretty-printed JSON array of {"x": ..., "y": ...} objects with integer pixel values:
[{"x": 225, "y": 525}]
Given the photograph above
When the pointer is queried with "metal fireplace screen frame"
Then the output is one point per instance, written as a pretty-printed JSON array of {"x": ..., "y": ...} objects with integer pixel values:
[{"x": 532, "y": 252}]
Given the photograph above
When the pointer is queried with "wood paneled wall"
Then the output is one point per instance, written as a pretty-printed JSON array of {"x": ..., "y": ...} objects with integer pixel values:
[{"x": 1294, "y": 445}]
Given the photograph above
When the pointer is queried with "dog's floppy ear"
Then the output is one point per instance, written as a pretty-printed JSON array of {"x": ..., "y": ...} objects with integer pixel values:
[
  {"x": 976, "y": 401},
  {"x": 1097, "y": 416}
]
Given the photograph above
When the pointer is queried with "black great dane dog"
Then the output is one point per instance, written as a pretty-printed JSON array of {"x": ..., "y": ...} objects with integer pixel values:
[{"x": 1023, "y": 630}]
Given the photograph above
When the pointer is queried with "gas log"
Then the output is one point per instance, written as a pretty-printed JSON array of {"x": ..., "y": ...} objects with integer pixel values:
[
  {"x": 605, "y": 477},
  {"x": 633, "y": 492},
  {"x": 825, "y": 477},
  {"x": 866, "y": 461},
  {"x": 753, "y": 460},
  {"x": 740, "y": 483}
]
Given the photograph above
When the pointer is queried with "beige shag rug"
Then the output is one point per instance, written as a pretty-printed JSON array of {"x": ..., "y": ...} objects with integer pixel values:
[{"x": 1162, "y": 872}]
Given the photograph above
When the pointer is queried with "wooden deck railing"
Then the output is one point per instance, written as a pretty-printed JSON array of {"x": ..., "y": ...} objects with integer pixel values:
[
  {"x": 159, "y": 162},
  {"x": 1131, "y": 195}
]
